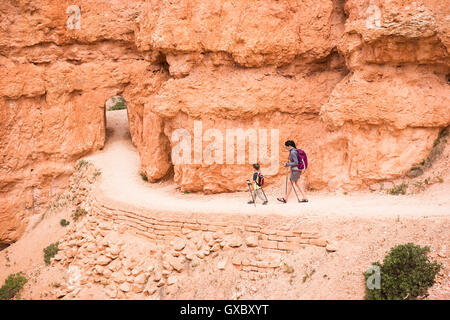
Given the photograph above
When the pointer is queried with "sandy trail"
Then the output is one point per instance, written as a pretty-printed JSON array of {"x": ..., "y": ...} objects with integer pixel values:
[{"x": 119, "y": 163}]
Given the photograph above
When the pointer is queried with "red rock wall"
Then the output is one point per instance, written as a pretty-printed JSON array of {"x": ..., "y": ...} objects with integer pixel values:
[{"x": 362, "y": 86}]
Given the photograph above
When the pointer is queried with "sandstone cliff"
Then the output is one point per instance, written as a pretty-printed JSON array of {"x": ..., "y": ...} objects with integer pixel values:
[{"x": 362, "y": 86}]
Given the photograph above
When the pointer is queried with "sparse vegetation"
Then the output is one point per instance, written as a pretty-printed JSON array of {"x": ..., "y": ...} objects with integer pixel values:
[
  {"x": 144, "y": 176},
  {"x": 78, "y": 213},
  {"x": 97, "y": 173},
  {"x": 60, "y": 201},
  {"x": 50, "y": 252},
  {"x": 308, "y": 275},
  {"x": 438, "y": 147},
  {"x": 13, "y": 284},
  {"x": 400, "y": 189},
  {"x": 287, "y": 268},
  {"x": 64, "y": 223},
  {"x": 82, "y": 163},
  {"x": 419, "y": 185},
  {"x": 119, "y": 105},
  {"x": 406, "y": 273}
]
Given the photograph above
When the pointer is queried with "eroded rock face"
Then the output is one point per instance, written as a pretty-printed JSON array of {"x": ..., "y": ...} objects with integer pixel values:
[{"x": 361, "y": 86}]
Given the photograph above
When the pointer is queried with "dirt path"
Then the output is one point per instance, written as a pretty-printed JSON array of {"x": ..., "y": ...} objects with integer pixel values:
[{"x": 119, "y": 163}]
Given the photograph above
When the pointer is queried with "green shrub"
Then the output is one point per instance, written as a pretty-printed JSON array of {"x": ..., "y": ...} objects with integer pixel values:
[
  {"x": 97, "y": 173},
  {"x": 119, "y": 103},
  {"x": 406, "y": 273},
  {"x": 50, "y": 252},
  {"x": 81, "y": 164},
  {"x": 118, "y": 106},
  {"x": 13, "y": 284},
  {"x": 64, "y": 223},
  {"x": 78, "y": 213},
  {"x": 400, "y": 189}
]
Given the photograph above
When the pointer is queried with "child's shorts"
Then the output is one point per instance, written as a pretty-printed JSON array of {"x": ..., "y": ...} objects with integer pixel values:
[{"x": 295, "y": 175}]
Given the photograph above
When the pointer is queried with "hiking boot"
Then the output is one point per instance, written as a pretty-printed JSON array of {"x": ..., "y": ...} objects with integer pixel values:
[
  {"x": 265, "y": 202},
  {"x": 251, "y": 202}
]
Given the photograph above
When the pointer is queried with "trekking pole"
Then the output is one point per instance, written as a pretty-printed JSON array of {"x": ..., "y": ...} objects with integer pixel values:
[
  {"x": 293, "y": 187},
  {"x": 287, "y": 173},
  {"x": 264, "y": 194},
  {"x": 251, "y": 193}
]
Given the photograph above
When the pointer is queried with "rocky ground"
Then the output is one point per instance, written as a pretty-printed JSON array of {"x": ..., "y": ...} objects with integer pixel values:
[{"x": 98, "y": 262}]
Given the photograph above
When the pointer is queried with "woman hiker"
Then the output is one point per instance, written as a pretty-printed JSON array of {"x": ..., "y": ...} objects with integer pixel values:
[{"x": 295, "y": 172}]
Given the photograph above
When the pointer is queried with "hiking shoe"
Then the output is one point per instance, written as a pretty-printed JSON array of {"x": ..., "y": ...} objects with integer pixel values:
[
  {"x": 251, "y": 202},
  {"x": 265, "y": 202}
]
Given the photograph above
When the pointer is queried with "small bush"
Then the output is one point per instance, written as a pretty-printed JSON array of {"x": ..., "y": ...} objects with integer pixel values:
[
  {"x": 119, "y": 105},
  {"x": 78, "y": 213},
  {"x": 81, "y": 164},
  {"x": 13, "y": 284},
  {"x": 406, "y": 273},
  {"x": 50, "y": 252},
  {"x": 144, "y": 177},
  {"x": 97, "y": 173},
  {"x": 64, "y": 223},
  {"x": 400, "y": 189}
]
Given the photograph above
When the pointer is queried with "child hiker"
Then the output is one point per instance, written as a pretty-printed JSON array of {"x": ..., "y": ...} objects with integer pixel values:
[{"x": 258, "y": 181}]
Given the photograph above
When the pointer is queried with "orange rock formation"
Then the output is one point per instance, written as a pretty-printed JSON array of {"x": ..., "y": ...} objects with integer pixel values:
[{"x": 361, "y": 86}]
